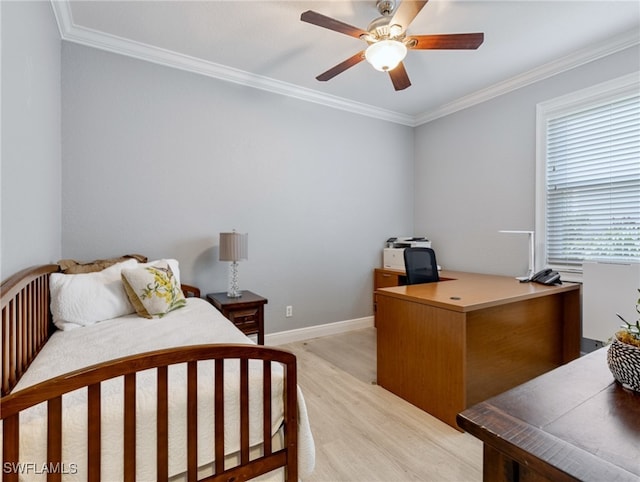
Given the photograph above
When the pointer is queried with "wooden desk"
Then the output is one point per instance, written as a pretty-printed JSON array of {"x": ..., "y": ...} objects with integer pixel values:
[
  {"x": 573, "y": 423},
  {"x": 448, "y": 345}
]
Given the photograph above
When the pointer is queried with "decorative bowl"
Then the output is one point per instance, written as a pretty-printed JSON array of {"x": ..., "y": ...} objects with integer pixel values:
[{"x": 624, "y": 363}]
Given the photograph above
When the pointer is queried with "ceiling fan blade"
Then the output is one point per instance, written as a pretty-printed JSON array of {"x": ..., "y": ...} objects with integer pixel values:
[
  {"x": 399, "y": 77},
  {"x": 446, "y": 41},
  {"x": 341, "y": 67},
  {"x": 406, "y": 12},
  {"x": 320, "y": 20}
]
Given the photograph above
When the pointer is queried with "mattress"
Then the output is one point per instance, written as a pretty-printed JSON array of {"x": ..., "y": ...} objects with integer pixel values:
[{"x": 197, "y": 323}]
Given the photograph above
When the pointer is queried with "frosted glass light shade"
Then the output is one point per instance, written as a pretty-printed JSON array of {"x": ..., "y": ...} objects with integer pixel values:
[
  {"x": 385, "y": 55},
  {"x": 234, "y": 246}
]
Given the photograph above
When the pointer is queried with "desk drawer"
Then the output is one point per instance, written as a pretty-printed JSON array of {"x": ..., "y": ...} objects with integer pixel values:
[{"x": 386, "y": 280}]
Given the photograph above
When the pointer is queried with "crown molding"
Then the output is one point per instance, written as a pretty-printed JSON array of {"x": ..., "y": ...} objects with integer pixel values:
[
  {"x": 111, "y": 43},
  {"x": 576, "y": 59}
]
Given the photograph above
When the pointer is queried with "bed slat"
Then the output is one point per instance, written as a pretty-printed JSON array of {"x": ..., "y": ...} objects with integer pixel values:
[
  {"x": 162, "y": 463},
  {"x": 130, "y": 427},
  {"x": 54, "y": 438},
  {"x": 266, "y": 404},
  {"x": 33, "y": 335},
  {"x": 34, "y": 300},
  {"x": 13, "y": 358},
  {"x": 192, "y": 421},
  {"x": 22, "y": 341},
  {"x": 291, "y": 420},
  {"x": 43, "y": 307},
  {"x": 219, "y": 415},
  {"x": 11, "y": 442},
  {"x": 244, "y": 411},
  {"x": 5, "y": 348},
  {"x": 94, "y": 432}
]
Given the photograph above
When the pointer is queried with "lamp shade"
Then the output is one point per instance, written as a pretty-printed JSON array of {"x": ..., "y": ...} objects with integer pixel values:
[
  {"x": 234, "y": 246},
  {"x": 385, "y": 55}
]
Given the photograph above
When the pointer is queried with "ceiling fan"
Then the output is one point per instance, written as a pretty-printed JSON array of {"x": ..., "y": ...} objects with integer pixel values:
[{"x": 388, "y": 39}]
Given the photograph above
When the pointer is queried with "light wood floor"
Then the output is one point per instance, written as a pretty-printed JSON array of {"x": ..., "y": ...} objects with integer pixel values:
[{"x": 363, "y": 432}]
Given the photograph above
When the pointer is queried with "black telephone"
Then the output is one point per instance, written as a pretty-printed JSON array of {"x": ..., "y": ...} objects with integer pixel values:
[{"x": 547, "y": 277}]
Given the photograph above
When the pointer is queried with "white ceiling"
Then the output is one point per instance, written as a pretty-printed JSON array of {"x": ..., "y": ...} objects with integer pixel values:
[{"x": 265, "y": 45}]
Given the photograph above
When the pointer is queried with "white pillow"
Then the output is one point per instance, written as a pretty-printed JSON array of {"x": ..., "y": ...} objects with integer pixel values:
[{"x": 84, "y": 299}]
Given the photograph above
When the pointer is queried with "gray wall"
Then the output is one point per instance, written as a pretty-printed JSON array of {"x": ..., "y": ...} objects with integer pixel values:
[
  {"x": 30, "y": 136},
  {"x": 475, "y": 171},
  {"x": 159, "y": 161}
]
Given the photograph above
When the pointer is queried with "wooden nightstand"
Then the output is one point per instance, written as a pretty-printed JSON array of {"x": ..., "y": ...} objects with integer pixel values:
[{"x": 246, "y": 312}]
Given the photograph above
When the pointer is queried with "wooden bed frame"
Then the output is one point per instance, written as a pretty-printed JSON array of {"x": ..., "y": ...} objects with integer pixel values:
[{"x": 26, "y": 327}]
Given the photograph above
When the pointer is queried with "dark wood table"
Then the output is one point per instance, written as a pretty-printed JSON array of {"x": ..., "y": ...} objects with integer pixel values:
[{"x": 573, "y": 423}]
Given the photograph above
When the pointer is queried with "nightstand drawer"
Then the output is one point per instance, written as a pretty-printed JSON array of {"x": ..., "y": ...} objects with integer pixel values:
[
  {"x": 245, "y": 312},
  {"x": 244, "y": 318}
]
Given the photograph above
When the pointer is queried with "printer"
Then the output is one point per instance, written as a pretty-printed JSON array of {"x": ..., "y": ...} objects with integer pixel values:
[{"x": 393, "y": 253}]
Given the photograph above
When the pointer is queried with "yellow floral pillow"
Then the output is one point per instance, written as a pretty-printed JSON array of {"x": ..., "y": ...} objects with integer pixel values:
[{"x": 153, "y": 290}]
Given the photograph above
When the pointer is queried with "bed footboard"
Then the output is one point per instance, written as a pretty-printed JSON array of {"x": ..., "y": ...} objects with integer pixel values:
[{"x": 90, "y": 379}]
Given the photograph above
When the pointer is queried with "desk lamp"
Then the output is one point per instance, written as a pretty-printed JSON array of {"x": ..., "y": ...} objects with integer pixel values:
[
  {"x": 532, "y": 259},
  {"x": 234, "y": 248}
]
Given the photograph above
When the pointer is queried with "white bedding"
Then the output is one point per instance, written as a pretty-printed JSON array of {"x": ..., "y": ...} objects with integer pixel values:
[{"x": 197, "y": 323}]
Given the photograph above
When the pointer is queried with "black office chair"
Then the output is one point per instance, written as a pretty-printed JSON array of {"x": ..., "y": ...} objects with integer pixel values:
[{"x": 420, "y": 265}]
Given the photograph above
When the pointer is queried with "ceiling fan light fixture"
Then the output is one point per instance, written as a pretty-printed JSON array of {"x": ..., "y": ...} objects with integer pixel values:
[{"x": 385, "y": 55}]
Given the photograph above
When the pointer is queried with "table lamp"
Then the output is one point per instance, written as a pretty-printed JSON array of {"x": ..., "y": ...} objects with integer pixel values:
[{"x": 234, "y": 248}]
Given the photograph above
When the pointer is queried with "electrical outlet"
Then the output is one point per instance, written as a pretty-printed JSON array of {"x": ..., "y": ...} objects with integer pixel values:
[{"x": 289, "y": 311}]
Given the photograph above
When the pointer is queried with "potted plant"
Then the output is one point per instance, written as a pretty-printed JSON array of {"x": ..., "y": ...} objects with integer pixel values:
[{"x": 624, "y": 353}]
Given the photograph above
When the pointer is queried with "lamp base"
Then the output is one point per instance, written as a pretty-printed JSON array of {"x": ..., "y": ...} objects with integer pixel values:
[{"x": 233, "y": 291}]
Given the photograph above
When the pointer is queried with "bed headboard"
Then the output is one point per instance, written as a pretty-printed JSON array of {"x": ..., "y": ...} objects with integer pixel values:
[{"x": 26, "y": 321}]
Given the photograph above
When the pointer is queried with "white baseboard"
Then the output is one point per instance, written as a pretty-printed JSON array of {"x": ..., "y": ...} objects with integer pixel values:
[{"x": 300, "y": 334}]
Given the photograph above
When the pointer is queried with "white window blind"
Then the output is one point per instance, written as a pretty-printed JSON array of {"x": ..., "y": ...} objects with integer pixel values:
[{"x": 593, "y": 184}]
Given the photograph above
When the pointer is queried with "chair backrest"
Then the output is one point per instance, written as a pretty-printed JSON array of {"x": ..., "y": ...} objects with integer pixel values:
[{"x": 420, "y": 265}]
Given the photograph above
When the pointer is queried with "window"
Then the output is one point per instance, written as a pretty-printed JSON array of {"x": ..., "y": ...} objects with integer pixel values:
[{"x": 588, "y": 176}]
